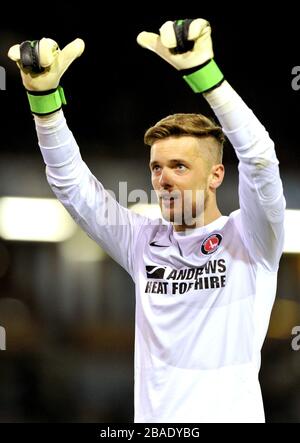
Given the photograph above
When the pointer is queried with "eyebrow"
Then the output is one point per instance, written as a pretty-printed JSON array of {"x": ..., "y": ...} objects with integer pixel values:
[{"x": 173, "y": 161}]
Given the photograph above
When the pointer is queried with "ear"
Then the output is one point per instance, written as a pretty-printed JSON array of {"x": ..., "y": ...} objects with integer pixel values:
[{"x": 216, "y": 176}]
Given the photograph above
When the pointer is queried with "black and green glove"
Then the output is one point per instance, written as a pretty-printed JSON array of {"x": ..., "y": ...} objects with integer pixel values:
[
  {"x": 42, "y": 65},
  {"x": 187, "y": 45}
]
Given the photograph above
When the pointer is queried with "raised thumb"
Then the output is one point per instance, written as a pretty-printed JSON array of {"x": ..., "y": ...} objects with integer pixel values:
[
  {"x": 70, "y": 52},
  {"x": 153, "y": 42},
  {"x": 149, "y": 40}
]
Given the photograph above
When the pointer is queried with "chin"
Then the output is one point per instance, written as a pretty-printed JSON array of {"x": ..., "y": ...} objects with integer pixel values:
[
  {"x": 172, "y": 217},
  {"x": 167, "y": 216}
]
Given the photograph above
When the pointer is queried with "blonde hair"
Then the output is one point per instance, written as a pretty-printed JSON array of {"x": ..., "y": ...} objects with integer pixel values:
[{"x": 196, "y": 125}]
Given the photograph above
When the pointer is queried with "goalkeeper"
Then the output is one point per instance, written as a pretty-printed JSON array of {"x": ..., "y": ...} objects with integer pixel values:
[{"x": 205, "y": 282}]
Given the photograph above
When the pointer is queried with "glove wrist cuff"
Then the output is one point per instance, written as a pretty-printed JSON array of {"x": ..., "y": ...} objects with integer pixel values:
[
  {"x": 46, "y": 102},
  {"x": 205, "y": 78}
]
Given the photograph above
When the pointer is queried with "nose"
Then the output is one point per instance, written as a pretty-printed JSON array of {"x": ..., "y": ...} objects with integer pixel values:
[{"x": 165, "y": 179}]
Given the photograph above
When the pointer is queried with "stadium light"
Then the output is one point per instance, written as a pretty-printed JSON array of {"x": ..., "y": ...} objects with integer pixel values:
[
  {"x": 292, "y": 240},
  {"x": 34, "y": 219}
]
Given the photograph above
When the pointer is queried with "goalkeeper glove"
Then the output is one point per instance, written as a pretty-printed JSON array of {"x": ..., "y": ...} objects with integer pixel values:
[
  {"x": 42, "y": 65},
  {"x": 187, "y": 45}
]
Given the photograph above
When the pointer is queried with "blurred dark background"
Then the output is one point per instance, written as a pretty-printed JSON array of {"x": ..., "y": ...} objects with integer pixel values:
[{"x": 69, "y": 317}]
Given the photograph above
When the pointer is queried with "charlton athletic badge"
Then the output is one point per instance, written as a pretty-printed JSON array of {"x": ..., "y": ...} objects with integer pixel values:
[{"x": 211, "y": 244}]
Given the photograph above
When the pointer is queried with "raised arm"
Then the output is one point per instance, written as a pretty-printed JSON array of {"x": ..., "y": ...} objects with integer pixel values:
[
  {"x": 187, "y": 45},
  {"x": 114, "y": 227},
  {"x": 262, "y": 204}
]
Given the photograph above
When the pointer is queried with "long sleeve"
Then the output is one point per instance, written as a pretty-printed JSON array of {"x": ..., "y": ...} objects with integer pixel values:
[
  {"x": 262, "y": 203},
  {"x": 112, "y": 226}
]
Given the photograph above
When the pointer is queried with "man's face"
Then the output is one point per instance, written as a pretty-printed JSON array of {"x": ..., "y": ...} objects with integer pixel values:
[{"x": 180, "y": 171}]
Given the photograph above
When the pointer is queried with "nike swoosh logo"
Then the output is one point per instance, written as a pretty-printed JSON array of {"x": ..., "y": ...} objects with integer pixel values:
[{"x": 158, "y": 246}]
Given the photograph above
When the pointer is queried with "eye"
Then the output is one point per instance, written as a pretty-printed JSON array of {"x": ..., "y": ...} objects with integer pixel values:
[
  {"x": 181, "y": 167},
  {"x": 156, "y": 168}
]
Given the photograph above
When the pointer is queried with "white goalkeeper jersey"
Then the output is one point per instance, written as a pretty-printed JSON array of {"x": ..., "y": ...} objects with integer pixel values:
[{"x": 204, "y": 297}]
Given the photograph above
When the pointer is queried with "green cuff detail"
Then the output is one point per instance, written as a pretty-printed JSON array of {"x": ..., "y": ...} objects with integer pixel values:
[
  {"x": 48, "y": 103},
  {"x": 205, "y": 78}
]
